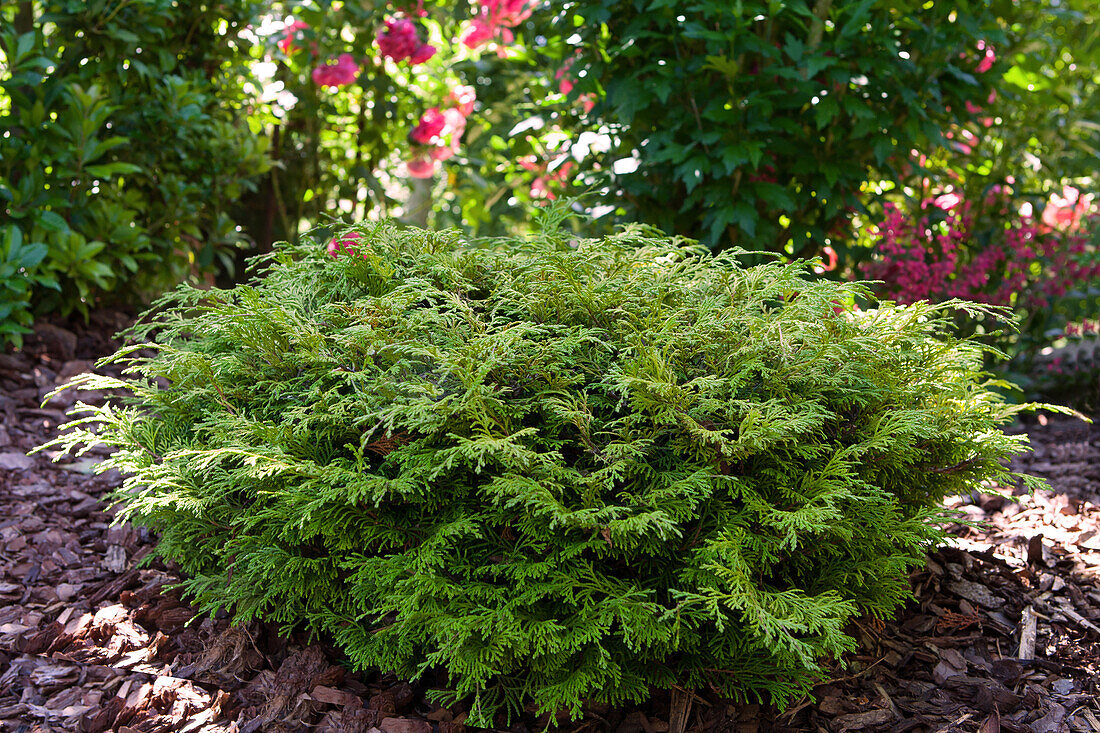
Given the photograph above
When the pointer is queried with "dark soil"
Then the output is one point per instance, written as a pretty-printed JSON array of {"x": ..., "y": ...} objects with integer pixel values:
[{"x": 1003, "y": 633}]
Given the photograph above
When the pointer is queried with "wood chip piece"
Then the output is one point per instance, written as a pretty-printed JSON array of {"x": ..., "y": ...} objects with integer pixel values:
[
  {"x": 1028, "y": 627},
  {"x": 115, "y": 559},
  {"x": 332, "y": 696},
  {"x": 405, "y": 725},
  {"x": 14, "y": 461},
  {"x": 858, "y": 721},
  {"x": 975, "y": 593},
  {"x": 679, "y": 710}
]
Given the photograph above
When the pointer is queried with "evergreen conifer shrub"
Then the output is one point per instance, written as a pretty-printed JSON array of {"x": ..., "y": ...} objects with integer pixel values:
[{"x": 550, "y": 470}]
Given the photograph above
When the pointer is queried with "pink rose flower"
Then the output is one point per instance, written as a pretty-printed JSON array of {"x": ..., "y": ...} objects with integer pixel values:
[
  {"x": 564, "y": 76},
  {"x": 430, "y": 127},
  {"x": 440, "y": 132},
  {"x": 509, "y": 13},
  {"x": 496, "y": 19},
  {"x": 830, "y": 264},
  {"x": 440, "y": 129},
  {"x": 455, "y": 121},
  {"x": 477, "y": 33},
  {"x": 1065, "y": 211},
  {"x": 539, "y": 189},
  {"x": 344, "y": 71},
  {"x": 947, "y": 201},
  {"x": 399, "y": 40}
]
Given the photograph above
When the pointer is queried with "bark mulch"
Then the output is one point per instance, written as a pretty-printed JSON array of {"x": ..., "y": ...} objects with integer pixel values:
[{"x": 1003, "y": 633}]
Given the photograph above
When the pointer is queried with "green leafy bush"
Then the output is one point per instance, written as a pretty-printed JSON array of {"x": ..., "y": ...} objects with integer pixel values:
[
  {"x": 120, "y": 148},
  {"x": 552, "y": 469},
  {"x": 760, "y": 121}
]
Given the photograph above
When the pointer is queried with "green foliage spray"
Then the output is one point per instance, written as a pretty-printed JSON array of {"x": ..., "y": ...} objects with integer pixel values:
[{"x": 553, "y": 470}]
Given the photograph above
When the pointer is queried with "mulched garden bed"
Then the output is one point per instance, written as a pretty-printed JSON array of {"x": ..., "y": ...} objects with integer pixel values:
[{"x": 1003, "y": 634}]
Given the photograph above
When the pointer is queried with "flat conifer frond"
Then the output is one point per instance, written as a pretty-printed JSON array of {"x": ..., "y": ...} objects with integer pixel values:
[{"x": 552, "y": 470}]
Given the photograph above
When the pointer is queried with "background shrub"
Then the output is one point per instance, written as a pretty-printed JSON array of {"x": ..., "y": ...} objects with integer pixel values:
[
  {"x": 1006, "y": 210},
  {"x": 756, "y": 124},
  {"x": 121, "y": 148},
  {"x": 551, "y": 469}
]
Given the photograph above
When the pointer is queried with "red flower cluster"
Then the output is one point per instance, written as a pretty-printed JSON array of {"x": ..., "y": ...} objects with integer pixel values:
[
  {"x": 931, "y": 256},
  {"x": 400, "y": 41},
  {"x": 438, "y": 135}
]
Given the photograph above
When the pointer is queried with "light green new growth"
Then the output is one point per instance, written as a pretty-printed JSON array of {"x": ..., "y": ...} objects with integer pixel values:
[{"x": 554, "y": 470}]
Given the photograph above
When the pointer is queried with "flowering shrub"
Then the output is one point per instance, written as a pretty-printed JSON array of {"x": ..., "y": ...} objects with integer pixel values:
[
  {"x": 1043, "y": 265},
  {"x": 362, "y": 99},
  {"x": 931, "y": 256}
]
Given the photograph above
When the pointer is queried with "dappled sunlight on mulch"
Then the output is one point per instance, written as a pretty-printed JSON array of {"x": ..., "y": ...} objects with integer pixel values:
[{"x": 1003, "y": 634}]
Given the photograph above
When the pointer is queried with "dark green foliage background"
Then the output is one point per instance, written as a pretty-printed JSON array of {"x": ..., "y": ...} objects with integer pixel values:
[
  {"x": 745, "y": 112},
  {"x": 122, "y": 146},
  {"x": 555, "y": 470}
]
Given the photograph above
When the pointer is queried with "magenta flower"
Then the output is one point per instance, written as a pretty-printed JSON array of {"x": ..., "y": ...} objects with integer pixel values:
[
  {"x": 399, "y": 40},
  {"x": 988, "y": 58},
  {"x": 339, "y": 73},
  {"x": 348, "y": 242},
  {"x": 422, "y": 54}
]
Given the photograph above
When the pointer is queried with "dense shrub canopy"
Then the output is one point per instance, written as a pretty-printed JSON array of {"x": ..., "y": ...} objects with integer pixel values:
[{"x": 552, "y": 469}]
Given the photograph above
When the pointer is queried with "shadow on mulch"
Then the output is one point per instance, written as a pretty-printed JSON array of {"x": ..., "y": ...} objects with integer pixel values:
[{"x": 1002, "y": 634}]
